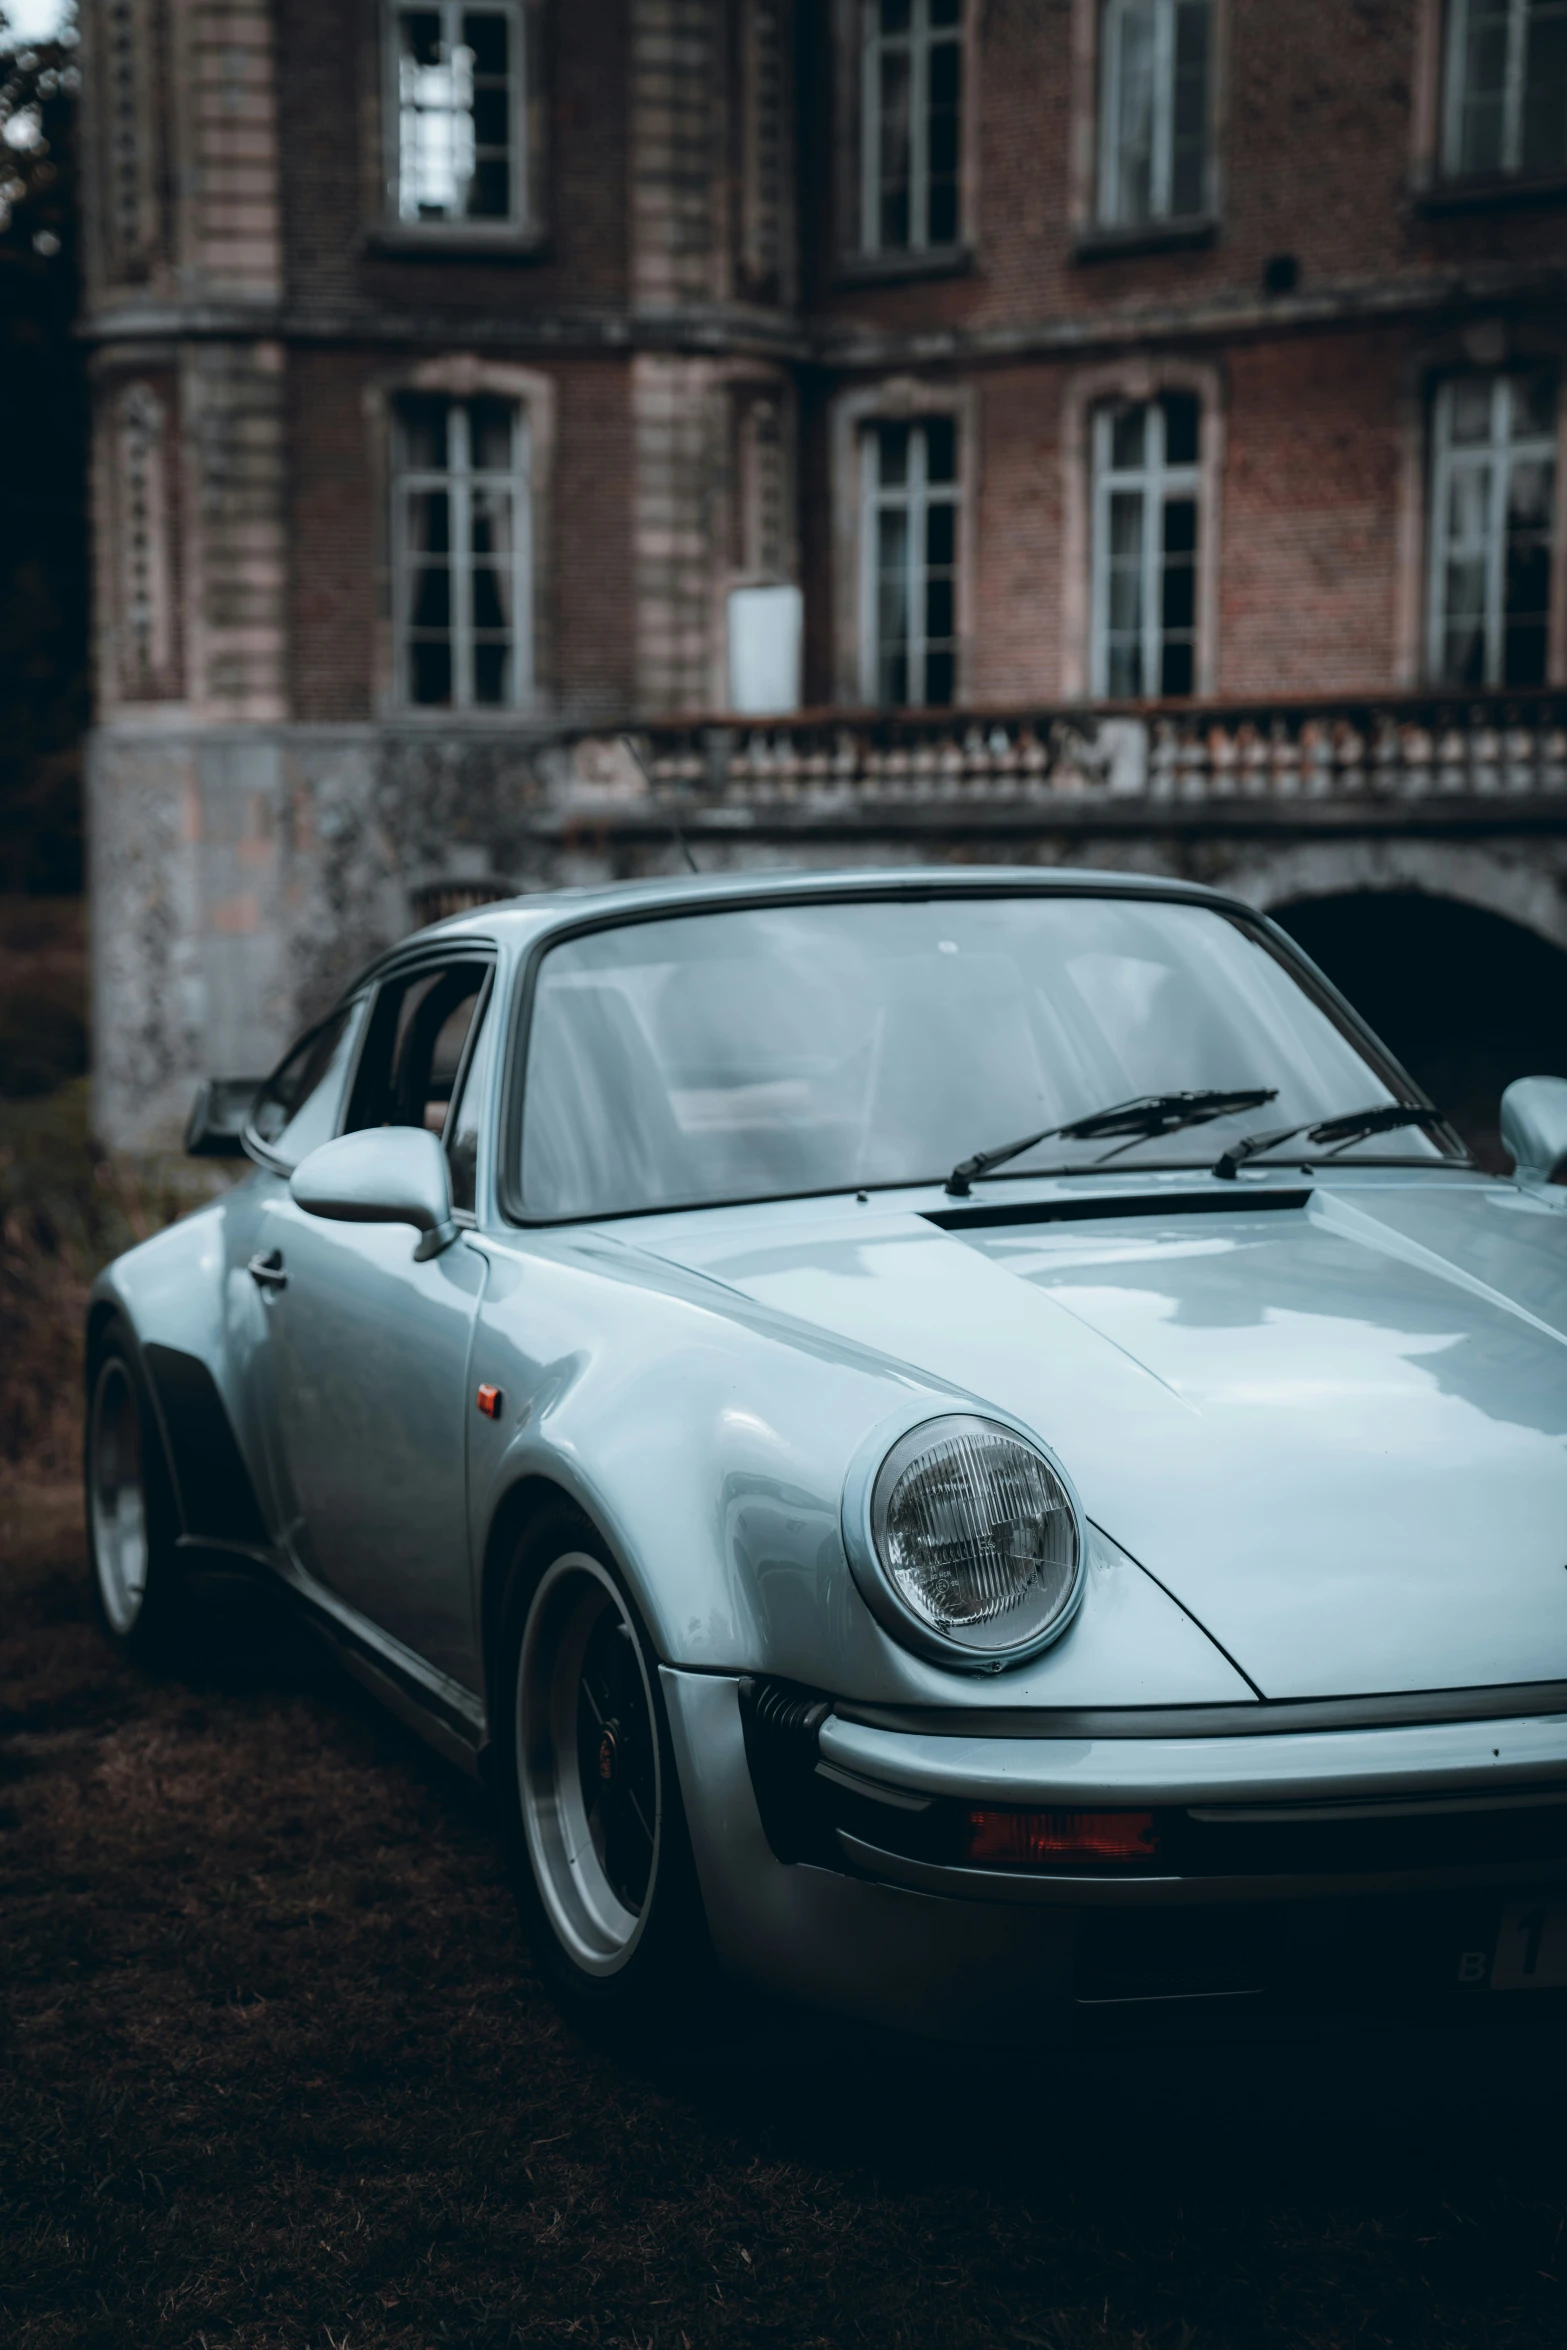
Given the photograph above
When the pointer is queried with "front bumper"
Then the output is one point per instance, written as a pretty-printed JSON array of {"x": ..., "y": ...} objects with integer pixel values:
[{"x": 1362, "y": 1867}]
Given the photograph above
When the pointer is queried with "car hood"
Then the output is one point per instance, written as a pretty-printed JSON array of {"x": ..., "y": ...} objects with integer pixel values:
[{"x": 1333, "y": 1427}]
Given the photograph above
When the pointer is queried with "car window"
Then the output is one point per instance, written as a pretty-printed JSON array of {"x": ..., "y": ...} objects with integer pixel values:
[
  {"x": 760, "y": 1052},
  {"x": 462, "y": 1125},
  {"x": 298, "y": 1106},
  {"x": 414, "y": 1051}
]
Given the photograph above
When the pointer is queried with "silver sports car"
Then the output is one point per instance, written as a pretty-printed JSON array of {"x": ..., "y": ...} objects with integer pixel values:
[{"x": 964, "y": 1443}]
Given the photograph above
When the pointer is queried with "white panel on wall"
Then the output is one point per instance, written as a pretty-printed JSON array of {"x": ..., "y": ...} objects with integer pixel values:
[{"x": 765, "y": 627}]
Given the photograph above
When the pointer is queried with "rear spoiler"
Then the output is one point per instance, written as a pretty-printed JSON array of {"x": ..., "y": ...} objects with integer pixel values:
[{"x": 218, "y": 1117}]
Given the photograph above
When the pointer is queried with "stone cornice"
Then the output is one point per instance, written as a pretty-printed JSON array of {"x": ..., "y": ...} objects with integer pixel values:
[{"x": 846, "y": 345}]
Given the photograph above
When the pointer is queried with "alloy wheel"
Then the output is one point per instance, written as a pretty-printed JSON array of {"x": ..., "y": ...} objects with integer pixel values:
[
  {"x": 117, "y": 1496},
  {"x": 588, "y": 1771}
]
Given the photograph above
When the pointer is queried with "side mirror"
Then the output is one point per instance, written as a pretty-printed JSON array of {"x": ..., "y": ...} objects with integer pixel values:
[
  {"x": 384, "y": 1175},
  {"x": 1534, "y": 1127},
  {"x": 217, "y": 1117}
]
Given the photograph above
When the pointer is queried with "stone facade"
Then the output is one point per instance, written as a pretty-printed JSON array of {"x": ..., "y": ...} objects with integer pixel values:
[{"x": 680, "y": 296}]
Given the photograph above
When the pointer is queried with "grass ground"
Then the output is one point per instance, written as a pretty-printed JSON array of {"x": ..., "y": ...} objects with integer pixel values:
[{"x": 275, "y": 2071}]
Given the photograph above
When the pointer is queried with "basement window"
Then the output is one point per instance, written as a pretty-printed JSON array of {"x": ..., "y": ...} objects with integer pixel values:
[
  {"x": 1493, "y": 494},
  {"x": 911, "y": 499},
  {"x": 462, "y": 553},
  {"x": 1506, "y": 110},
  {"x": 1154, "y": 111},
  {"x": 911, "y": 95},
  {"x": 1147, "y": 484},
  {"x": 458, "y": 114}
]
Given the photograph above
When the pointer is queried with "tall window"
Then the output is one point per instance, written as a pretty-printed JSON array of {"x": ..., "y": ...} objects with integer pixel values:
[
  {"x": 459, "y": 111},
  {"x": 909, "y": 541},
  {"x": 1493, "y": 497},
  {"x": 462, "y": 553},
  {"x": 1146, "y": 490},
  {"x": 1154, "y": 104},
  {"x": 1506, "y": 87},
  {"x": 911, "y": 132}
]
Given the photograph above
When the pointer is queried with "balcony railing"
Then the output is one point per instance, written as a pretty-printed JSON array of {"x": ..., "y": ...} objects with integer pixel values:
[{"x": 1431, "y": 747}]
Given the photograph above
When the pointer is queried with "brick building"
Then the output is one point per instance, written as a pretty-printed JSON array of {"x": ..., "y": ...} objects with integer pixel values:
[{"x": 1114, "y": 429}]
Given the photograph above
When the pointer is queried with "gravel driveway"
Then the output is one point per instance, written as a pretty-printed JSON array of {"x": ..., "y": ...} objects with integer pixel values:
[{"x": 275, "y": 2070}]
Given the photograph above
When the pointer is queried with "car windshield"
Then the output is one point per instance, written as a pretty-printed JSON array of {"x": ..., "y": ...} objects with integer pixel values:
[{"x": 759, "y": 1052}]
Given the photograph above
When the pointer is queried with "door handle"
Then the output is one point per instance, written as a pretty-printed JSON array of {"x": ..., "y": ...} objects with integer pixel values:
[{"x": 267, "y": 1271}]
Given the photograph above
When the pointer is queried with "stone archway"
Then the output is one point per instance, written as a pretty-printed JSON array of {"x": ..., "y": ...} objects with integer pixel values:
[
  {"x": 1522, "y": 879},
  {"x": 1467, "y": 998}
]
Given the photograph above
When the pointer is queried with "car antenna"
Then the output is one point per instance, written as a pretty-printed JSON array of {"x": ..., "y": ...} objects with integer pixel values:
[{"x": 681, "y": 842}]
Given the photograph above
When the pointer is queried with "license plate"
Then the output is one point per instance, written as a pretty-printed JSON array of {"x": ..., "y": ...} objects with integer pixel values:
[{"x": 1531, "y": 1948}]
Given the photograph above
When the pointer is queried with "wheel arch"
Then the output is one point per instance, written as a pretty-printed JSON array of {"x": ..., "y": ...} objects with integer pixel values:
[
  {"x": 519, "y": 1507},
  {"x": 100, "y": 1313}
]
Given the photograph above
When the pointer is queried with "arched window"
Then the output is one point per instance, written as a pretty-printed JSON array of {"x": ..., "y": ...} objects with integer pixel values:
[
  {"x": 462, "y": 550},
  {"x": 1146, "y": 506}
]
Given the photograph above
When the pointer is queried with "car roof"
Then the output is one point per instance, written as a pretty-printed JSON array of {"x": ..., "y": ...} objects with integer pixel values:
[{"x": 517, "y": 918}]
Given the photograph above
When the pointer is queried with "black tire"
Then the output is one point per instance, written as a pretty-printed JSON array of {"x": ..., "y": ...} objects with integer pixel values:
[
  {"x": 139, "y": 1592},
  {"x": 591, "y": 1818}
]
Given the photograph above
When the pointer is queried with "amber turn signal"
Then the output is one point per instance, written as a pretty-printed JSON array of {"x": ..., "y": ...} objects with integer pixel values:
[
  {"x": 1022, "y": 1839},
  {"x": 488, "y": 1400}
]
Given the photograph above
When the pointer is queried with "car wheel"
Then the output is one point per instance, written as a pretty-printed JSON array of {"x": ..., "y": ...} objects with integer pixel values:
[
  {"x": 138, "y": 1587},
  {"x": 594, "y": 1826}
]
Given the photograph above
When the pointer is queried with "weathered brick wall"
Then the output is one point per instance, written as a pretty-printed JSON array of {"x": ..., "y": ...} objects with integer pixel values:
[
  {"x": 1309, "y": 515},
  {"x": 1316, "y": 131},
  {"x": 1307, "y": 518},
  {"x": 330, "y": 110}
]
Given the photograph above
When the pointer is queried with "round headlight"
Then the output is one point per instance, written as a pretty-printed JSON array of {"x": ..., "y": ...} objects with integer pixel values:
[{"x": 978, "y": 1537}]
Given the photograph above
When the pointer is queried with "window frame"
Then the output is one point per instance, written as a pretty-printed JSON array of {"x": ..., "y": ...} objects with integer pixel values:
[
  {"x": 1161, "y": 219},
  {"x": 477, "y": 1059},
  {"x": 1153, "y": 478},
  {"x": 1498, "y": 453},
  {"x": 916, "y": 503},
  {"x": 522, "y": 227},
  {"x": 1455, "y": 92},
  {"x": 350, "y": 1008},
  {"x": 920, "y": 39},
  {"x": 457, "y": 483}
]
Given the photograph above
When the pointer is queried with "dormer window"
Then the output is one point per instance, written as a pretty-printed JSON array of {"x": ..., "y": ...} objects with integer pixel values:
[{"x": 459, "y": 120}]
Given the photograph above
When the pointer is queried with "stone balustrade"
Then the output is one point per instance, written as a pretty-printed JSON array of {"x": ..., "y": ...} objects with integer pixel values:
[{"x": 1473, "y": 746}]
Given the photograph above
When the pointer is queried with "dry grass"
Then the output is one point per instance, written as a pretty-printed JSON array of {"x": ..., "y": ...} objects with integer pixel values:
[
  {"x": 274, "y": 2070},
  {"x": 66, "y": 1207}
]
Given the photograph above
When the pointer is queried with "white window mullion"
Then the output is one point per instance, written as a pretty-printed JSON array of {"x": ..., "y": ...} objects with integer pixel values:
[
  {"x": 1100, "y": 584},
  {"x": 1162, "y": 160},
  {"x": 870, "y": 551},
  {"x": 460, "y": 454},
  {"x": 1513, "y": 88},
  {"x": 1496, "y": 531},
  {"x": 1110, "y": 118},
  {"x": 1441, "y": 514},
  {"x": 870, "y": 130},
  {"x": 522, "y": 559},
  {"x": 919, "y": 127},
  {"x": 1153, "y": 551},
  {"x": 914, "y": 577}
]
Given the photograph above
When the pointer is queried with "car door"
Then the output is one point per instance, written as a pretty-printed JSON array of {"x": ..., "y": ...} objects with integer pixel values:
[{"x": 368, "y": 1371}]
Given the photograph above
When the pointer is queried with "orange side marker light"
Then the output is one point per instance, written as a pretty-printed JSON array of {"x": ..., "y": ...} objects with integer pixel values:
[
  {"x": 1035, "y": 1838},
  {"x": 489, "y": 1401}
]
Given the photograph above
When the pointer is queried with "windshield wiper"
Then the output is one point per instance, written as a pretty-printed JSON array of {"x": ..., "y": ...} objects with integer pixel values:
[
  {"x": 1149, "y": 1114},
  {"x": 1350, "y": 1126}
]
